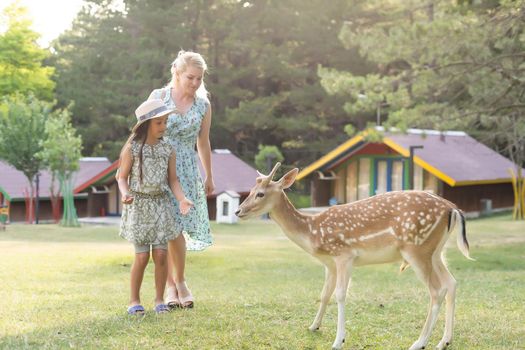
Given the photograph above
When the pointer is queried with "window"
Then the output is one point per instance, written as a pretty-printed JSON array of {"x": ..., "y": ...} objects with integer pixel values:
[
  {"x": 397, "y": 175},
  {"x": 340, "y": 186},
  {"x": 418, "y": 177},
  {"x": 430, "y": 182},
  {"x": 225, "y": 208},
  {"x": 351, "y": 182},
  {"x": 364, "y": 178},
  {"x": 382, "y": 177}
]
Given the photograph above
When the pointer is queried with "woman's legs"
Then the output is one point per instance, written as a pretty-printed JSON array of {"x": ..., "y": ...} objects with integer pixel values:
[
  {"x": 161, "y": 272},
  {"x": 177, "y": 257},
  {"x": 137, "y": 275},
  {"x": 176, "y": 278}
]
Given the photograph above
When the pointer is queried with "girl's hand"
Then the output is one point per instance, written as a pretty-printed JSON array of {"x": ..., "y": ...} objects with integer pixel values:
[
  {"x": 127, "y": 198},
  {"x": 209, "y": 186},
  {"x": 185, "y": 206}
]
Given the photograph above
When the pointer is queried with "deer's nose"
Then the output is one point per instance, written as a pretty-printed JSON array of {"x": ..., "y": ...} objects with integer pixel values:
[{"x": 238, "y": 212}]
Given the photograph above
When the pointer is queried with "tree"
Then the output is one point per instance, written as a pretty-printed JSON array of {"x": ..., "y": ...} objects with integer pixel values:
[
  {"x": 22, "y": 132},
  {"x": 267, "y": 157},
  {"x": 61, "y": 152},
  {"x": 262, "y": 55},
  {"x": 21, "y": 59},
  {"x": 444, "y": 66}
]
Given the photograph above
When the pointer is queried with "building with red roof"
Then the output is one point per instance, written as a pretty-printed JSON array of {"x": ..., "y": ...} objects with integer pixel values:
[{"x": 96, "y": 191}]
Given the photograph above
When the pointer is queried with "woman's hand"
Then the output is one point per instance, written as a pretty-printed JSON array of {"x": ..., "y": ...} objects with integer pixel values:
[
  {"x": 209, "y": 186},
  {"x": 185, "y": 206},
  {"x": 127, "y": 198}
]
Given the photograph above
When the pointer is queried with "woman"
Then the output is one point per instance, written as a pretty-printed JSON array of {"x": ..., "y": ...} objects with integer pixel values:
[{"x": 188, "y": 126}]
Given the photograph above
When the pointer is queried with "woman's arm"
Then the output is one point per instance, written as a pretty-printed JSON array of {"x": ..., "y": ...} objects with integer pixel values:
[
  {"x": 204, "y": 149},
  {"x": 126, "y": 161},
  {"x": 184, "y": 203}
]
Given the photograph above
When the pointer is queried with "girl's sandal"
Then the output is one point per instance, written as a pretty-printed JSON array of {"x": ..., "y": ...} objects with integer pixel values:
[
  {"x": 172, "y": 298},
  {"x": 187, "y": 301},
  {"x": 136, "y": 310}
]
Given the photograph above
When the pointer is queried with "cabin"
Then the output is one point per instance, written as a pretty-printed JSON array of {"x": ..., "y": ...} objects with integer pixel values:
[
  {"x": 96, "y": 191},
  {"x": 451, "y": 164}
]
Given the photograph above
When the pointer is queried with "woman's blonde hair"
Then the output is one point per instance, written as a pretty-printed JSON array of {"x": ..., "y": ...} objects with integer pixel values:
[{"x": 193, "y": 59}]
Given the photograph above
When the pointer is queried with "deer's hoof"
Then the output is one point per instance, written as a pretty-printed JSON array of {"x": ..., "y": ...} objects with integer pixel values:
[
  {"x": 417, "y": 346},
  {"x": 313, "y": 328},
  {"x": 443, "y": 345},
  {"x": 338, "y": 346}
]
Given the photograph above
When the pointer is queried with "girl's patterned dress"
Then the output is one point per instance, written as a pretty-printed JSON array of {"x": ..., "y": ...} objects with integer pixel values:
[
  {"x": 150, "y": 218},
  {"x": 182, "y": 133}
]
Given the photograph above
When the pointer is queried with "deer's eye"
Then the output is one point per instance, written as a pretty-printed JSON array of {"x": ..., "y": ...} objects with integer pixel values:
[{"x": 259, "y": 195}]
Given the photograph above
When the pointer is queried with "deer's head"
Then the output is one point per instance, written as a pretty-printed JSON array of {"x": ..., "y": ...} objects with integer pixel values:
[{"x": 266, "y": 193}]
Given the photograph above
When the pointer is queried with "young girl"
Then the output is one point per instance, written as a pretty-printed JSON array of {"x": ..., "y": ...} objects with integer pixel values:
[{"x": 147, "y": 173}]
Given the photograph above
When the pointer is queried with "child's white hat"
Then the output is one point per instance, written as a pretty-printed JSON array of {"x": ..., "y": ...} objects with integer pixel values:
[{"x": 150, "y": 109}]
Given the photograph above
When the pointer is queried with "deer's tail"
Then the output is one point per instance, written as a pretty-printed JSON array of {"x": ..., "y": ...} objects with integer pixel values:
[{"x": 456, "y": 216}]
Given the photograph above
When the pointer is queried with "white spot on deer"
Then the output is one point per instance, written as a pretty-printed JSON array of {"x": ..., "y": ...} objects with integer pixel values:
[
  {"x": 341, "y": 236},
  {"x": 314, "y": 232}
]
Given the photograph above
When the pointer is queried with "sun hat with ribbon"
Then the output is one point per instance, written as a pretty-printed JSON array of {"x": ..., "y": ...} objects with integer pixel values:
[{"x": 150, "y": 109}]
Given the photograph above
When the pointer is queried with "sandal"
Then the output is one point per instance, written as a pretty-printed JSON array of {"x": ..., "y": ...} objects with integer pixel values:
[
  {"x": 172, "y": 298},
  {"x": 162, "y": 309},
  {"x": 136, "y": 310},
  {"x": 187, "y": 301}
]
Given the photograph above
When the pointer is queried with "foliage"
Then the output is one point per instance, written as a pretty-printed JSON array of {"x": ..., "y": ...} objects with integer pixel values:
[
  {"x": 22, "y": 131},
  {"x": 267, "y": 157},
  {"x": 21, "y": 59},
  {"x": 253, "y": 291},
  {"x": 262, "y": 55},
  {"x": 443, "y": 66},
  {"x": 62, "y": 152}
]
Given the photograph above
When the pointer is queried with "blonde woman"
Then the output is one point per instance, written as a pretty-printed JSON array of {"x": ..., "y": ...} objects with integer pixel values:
[{"x": 188, "y": 126}]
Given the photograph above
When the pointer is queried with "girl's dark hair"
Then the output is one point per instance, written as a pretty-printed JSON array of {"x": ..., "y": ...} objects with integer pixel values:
[{"x": 140, "y": 135}]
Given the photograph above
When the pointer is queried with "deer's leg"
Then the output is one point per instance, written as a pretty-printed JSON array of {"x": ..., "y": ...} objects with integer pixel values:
[
  {"x": 450, "y": 283},
  {"x": 430, "y": 276},
  {"x": 326, "y": 294},
  {"x": 343, "y": 268}
]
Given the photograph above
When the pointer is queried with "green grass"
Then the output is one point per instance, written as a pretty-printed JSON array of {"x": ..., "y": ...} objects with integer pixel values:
[{"x": 68, "y": 288}]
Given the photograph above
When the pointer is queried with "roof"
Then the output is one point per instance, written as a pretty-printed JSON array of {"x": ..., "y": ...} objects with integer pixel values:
[
  {"x": 14, "y": 182},
  {"x": 231, "y": 194},
  {"x": 452, "y": 156},
  {"x": 230, "y": 173}
]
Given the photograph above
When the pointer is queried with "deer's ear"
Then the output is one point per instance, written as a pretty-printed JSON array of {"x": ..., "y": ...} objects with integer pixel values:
[{"x": 288, "y": 179}]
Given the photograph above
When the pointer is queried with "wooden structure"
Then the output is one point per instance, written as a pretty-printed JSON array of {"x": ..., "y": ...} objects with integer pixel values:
[
  {"x": 96, "y": 191},
  {"x": 451, "y": 164}
]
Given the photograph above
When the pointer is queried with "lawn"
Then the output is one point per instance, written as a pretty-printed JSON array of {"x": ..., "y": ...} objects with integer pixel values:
[{"x": 68, "y": 288}]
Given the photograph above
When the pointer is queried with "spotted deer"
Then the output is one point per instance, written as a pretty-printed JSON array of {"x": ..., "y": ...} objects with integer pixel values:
[{"x": 407, "y": 226}]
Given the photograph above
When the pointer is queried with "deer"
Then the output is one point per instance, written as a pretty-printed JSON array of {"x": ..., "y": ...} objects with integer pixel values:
[{"x": 409, "y": 226}]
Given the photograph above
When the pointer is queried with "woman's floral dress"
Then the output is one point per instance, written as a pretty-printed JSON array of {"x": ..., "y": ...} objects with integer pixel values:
[
  {"x": 150, "y": 218},
  {"x": 182, "y": 133}
]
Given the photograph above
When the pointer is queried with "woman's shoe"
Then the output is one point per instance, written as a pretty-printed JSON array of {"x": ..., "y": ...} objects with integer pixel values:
[
  {"x": 186, "y": 301},
  {"x": 172, "y": 298}
]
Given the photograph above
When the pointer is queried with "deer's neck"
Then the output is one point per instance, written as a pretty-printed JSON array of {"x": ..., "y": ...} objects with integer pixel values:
[{"x": 294, "y": 224}]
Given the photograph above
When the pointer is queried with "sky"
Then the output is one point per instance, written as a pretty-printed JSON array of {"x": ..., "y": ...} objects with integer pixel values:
[{"x": 50, "y": 17}]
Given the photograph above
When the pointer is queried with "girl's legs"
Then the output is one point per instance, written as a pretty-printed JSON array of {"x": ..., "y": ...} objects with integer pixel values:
[
  {"x": 137, "y": 275},
  {"x": 161, "y": 272}
]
